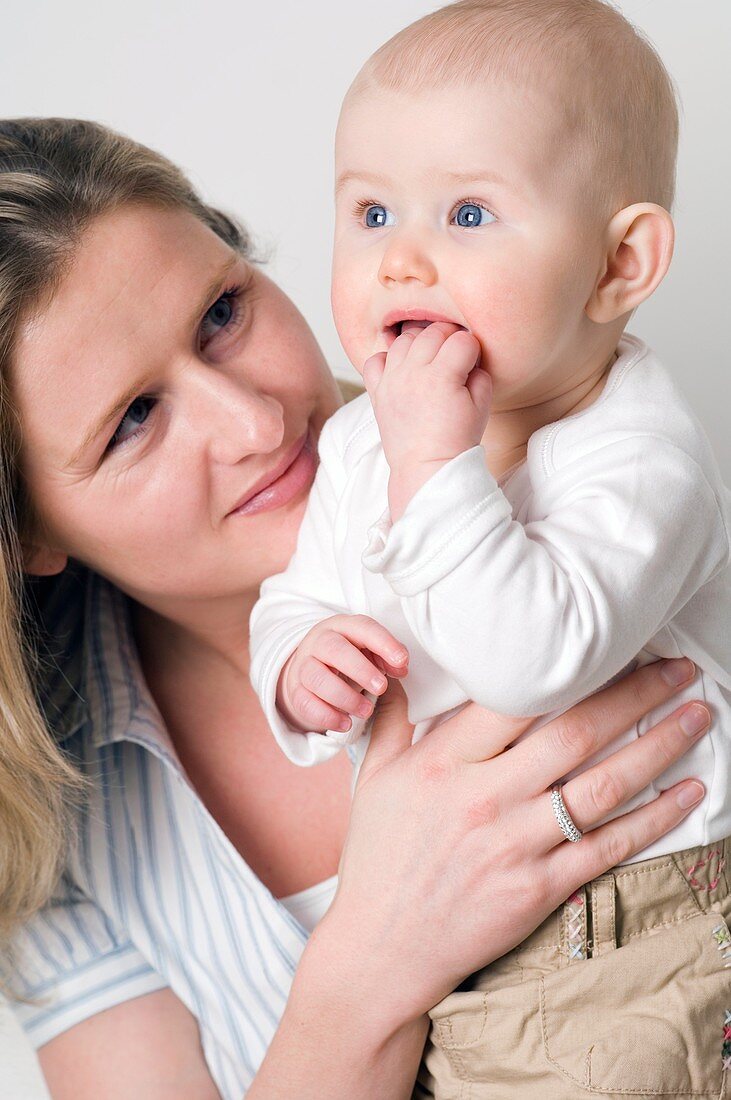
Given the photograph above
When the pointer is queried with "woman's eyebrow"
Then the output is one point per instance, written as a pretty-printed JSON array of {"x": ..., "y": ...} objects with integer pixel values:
[
  {"x": 124, "y": 400},
  {"x": 110, "y": 417}
]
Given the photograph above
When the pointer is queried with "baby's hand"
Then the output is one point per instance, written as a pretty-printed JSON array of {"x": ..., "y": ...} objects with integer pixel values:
[
  {"x": 432, "y": 402},
  {"x": 322, "y": 682}
]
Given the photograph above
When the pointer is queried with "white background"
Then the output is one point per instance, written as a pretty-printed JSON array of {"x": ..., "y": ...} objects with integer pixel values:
[{"x": 245, "y": 97}]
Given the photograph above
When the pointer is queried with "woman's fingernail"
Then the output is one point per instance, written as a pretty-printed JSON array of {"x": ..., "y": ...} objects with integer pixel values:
[
  {"x": 378, "y": 683},
  {"x": 690, "y": 794},
  {"x": 364, "y": 709},
  {"x": 694, "y": 719},
  {"x": 678, "y": 671}
]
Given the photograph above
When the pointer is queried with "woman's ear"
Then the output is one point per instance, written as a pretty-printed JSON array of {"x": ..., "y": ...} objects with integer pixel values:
[
  {"x": 43, "y": 561},
  {"x": 639, "y": 247}
]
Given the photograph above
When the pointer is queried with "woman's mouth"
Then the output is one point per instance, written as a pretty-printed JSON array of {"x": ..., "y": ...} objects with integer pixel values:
[{"x": 284, "y": 482}]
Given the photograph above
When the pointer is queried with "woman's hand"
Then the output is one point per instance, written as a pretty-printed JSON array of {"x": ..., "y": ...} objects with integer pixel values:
[{"x": 454, "y": 855}]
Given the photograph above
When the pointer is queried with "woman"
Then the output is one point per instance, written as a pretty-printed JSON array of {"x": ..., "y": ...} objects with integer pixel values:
[{"x": 169, "y": 398}]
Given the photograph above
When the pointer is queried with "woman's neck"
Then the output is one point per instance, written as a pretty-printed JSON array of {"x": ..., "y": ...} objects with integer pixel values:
[
  {"x": 288, "y": 823},
  {"x": 214, "y": 634}
]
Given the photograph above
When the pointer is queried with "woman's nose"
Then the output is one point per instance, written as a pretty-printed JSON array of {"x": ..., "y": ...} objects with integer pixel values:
[
  {"x": 236, "y": 417},
  {"x": 406, "y": 259}
]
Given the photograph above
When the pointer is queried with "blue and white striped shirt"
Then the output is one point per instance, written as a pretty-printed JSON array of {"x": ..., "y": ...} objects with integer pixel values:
[{"x": 154, "y": 895}]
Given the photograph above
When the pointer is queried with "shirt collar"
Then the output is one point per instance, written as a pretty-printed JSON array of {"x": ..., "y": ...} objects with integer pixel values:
[{"x": 121, "y": 707}]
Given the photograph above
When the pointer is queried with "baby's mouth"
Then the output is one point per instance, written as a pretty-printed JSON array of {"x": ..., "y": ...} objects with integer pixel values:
[
  {"x": 411, "y": 326},
  {"x": 397, "y": 326}
]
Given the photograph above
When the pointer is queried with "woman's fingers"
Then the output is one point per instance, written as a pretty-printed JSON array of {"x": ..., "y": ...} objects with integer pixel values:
[
  {"x": 478, "y": 733},
  {"x": 571, "y": 865},
  {"x": 599, "y": 791},
  {"x": 567, "y": 741}
]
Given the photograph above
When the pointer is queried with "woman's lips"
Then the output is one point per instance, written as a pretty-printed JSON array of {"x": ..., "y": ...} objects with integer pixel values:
[{"x": 298, "y": 473}]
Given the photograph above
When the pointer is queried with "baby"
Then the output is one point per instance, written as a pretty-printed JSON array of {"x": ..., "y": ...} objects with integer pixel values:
[{"x": 522, "y": 506}]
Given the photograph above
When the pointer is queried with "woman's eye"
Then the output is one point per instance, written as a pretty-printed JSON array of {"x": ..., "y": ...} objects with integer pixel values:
[
  {"x": 220, "y": 315},
  {"x": 131, "y": 423},
  {"x": 376, "y": 217},
  {"x": 469, "y": 215}
]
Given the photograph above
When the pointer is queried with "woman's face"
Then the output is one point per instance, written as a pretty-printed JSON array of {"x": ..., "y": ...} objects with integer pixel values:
[{"x": 166, "y": 382}]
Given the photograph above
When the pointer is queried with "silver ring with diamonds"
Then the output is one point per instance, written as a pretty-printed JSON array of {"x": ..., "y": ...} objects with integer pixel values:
[{"x": 563, "y": 817}]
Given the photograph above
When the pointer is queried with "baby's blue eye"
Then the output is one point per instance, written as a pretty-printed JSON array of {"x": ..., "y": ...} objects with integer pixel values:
[
  {"x": 377, "y": 216},
  {"x": 469, "y": 215}
]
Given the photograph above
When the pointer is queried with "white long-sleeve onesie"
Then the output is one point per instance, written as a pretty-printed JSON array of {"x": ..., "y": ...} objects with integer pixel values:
[{"x": 608, "y": 545}]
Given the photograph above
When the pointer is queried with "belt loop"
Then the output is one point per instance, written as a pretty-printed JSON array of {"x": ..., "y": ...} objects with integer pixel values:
[
  {"x": 574, "y": 927},
  {"x": 603, "y": 915}
]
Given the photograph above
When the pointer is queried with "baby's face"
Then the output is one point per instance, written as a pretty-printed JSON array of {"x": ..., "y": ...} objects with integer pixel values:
[{"x": 460, "y": 205}]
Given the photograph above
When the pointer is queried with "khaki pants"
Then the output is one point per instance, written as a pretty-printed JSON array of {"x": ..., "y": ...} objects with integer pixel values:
[{"x": 625, "y": 991}]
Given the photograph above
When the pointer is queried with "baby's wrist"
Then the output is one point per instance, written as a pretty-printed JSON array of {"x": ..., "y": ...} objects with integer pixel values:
[
  {"x": 405, "y": 482},
  {"x": 282, "y": 699}
]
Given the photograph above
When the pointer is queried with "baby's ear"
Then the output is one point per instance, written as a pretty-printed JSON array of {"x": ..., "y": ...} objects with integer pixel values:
[{"x": 639, "y": 246}]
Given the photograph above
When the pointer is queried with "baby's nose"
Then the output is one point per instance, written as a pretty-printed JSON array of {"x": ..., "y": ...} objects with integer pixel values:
[{"x": 404, "y": 260}]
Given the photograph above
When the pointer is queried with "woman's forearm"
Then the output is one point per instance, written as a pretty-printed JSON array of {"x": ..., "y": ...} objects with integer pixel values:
[{"x": 335, "y": 1040}]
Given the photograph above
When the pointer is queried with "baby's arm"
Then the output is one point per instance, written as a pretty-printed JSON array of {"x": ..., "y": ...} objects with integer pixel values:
[
  {"x": 322, "y": 682},
  {"x": 302, "y": 637},
  {"x": 530, "y": 618}
]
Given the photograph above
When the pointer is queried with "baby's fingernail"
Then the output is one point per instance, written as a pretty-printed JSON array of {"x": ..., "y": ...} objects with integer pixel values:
[
  {"x": 678, "y": 671},
  {"x": 690, "y": 794},
  {"x": 694, "y": 719}
]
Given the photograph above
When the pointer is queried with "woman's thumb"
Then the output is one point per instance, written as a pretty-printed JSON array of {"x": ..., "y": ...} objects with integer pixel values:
[{"x": 391, "y": 732}]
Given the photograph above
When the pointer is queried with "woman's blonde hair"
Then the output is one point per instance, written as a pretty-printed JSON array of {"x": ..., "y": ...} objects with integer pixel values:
[{"x": 56, "y": 176}]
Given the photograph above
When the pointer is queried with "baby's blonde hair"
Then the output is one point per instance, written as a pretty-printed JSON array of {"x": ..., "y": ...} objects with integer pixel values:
[{"x": 616, "y": 97}]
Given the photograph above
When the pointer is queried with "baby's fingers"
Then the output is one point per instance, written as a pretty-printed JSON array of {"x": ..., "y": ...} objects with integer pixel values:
[
  {"x": 397, "y": 671},
  {"x": 341, "y": 655},
  {"x": 313, "y": 713},
  {"x": 369, "y": 635},
  {"x": 373, "y": 372},
  {"x": 458, "y": 356},
  {"x": 326, "y": 685}
]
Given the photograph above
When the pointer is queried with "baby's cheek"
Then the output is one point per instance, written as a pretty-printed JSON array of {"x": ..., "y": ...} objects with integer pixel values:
[{"x": 350, "y": 314}]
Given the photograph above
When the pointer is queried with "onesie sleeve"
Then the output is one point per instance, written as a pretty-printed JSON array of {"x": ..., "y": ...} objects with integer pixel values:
[
  {"x": 292, "y": 602},
  {"x": 528, "y": 619},
  {"x": 69, "y": 962}
]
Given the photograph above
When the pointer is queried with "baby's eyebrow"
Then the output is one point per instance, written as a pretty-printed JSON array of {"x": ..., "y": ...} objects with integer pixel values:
[
  {"x": 462, "y": 179},
  {"x": 479, "y": 176},
  {"x": 371, "y": 178}
]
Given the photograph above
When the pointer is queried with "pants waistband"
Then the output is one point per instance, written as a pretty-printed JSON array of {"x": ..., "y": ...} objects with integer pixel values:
[{"x": 634, "y": 899}]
